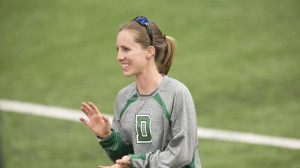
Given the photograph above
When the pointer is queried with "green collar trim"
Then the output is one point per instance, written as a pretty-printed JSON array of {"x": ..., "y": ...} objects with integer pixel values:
[
  {"x": 129, "y": 101},
  {"x": 161, "y": 102}
]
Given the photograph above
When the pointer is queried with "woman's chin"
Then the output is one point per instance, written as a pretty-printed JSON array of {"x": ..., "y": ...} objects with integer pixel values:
[{"x": 126, "y": 74}]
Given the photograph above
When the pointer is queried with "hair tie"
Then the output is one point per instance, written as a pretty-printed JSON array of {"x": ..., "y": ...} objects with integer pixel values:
[{"x": 164, "y": 37}]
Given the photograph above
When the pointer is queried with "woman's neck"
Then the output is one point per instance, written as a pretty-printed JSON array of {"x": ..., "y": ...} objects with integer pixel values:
[{"x": 146, "y": 84}]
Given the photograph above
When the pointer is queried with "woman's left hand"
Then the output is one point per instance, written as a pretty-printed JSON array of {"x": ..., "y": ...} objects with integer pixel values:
[{"x": 120, "y": 163}]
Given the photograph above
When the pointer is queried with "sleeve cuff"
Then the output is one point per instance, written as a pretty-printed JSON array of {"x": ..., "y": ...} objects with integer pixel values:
[
  {"x": 99, "y": 139},
  {"x": 143, "y": 157},
  {"x": 102, "y": 139},
  {"x": 134, "y": 159},
  {"x": 109, "y": 142}
]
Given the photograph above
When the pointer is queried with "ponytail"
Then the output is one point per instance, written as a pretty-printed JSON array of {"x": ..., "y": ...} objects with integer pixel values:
[{"x": 164, "y": 63}]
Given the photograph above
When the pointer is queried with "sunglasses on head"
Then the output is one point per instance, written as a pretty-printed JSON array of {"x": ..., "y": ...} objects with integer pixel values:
[{"x": 144, "y": 22}]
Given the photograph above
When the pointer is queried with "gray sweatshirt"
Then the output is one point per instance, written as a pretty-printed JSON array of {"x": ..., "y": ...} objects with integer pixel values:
[{"x": 157, "y": 130}]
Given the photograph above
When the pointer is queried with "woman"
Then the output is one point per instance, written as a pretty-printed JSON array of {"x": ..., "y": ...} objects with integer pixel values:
[{"x": 154, "y": 122}]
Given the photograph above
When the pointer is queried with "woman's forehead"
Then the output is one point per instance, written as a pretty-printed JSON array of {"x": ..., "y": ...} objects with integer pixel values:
[{"x": 126, "y": 37}]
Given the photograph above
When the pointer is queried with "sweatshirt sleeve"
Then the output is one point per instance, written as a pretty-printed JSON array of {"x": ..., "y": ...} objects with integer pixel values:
[
  {"x": 181, "y": 150},
  {"x": 115, "y": 146}
]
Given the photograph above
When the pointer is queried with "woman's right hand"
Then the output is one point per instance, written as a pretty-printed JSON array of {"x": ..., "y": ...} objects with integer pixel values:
[{"x": 98, "y": 123}]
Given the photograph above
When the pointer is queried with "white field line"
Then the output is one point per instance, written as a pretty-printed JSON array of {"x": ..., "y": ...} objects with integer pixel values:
[{"x": 73, "y": 115}]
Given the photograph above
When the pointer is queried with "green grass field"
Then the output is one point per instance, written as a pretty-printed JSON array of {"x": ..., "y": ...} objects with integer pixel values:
[
  {"x": 42, "y": 142},
  {"x": 240, "y": 60}
]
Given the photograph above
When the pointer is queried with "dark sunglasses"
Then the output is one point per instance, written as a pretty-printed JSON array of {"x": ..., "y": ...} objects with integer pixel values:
[{"x": 144, "y": 22}]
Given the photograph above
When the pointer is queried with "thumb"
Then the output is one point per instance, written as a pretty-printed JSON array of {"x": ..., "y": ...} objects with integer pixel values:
[{"x": 105, "y": 119}]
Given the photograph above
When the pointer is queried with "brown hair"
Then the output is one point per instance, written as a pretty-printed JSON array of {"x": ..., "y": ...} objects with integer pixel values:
[{"x": 164, "y": 45}]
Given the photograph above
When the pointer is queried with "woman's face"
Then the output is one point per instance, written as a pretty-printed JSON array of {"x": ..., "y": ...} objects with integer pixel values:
[{"x": 131, "y": 54}]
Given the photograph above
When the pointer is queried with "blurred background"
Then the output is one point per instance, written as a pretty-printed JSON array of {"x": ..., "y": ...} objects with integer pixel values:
[{"x": 240, "y": 60}]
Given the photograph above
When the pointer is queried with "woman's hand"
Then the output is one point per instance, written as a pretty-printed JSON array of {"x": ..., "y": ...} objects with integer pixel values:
[
  {"x": 120, "y": 163},
  {"x": 98, "y": 123}
]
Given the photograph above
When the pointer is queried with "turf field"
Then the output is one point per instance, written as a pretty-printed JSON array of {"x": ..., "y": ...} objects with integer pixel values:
[{"x": 240, "y": 60}]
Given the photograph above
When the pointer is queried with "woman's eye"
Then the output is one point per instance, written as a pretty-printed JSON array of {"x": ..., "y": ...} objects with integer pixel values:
[{"x": 126, "y": 49}]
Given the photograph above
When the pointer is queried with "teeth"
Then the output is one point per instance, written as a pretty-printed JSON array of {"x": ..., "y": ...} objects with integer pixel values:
[{"x": 125, "y": 65}]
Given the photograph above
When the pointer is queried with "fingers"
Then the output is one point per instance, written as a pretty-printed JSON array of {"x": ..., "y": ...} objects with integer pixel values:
[
  {"x": 94, "y": 108},
  {"x": 88, "y": 110},
  {"x": 117, "y": 165},
  {"x": 113, "y": 166},
  {"x": 104, "y": 166},
  {"x": 85, "y": 112},
  {"x": 124, "y": 161}
]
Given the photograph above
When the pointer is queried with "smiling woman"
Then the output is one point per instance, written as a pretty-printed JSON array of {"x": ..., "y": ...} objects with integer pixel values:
[
  {"x": 132, "y": 56},
  {"x": 136, "y": 37},
  {"x": 154, "y": 123}
]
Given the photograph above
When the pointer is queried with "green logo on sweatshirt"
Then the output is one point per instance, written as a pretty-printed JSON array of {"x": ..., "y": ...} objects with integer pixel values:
[{"x": 143, "y": 129}]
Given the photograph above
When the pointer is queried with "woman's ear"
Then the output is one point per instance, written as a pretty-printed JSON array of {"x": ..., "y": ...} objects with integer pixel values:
[{"x": 150, "y": 52}]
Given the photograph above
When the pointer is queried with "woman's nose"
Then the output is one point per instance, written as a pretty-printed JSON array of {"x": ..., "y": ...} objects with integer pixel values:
[{"x": 120, "y": 56}]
